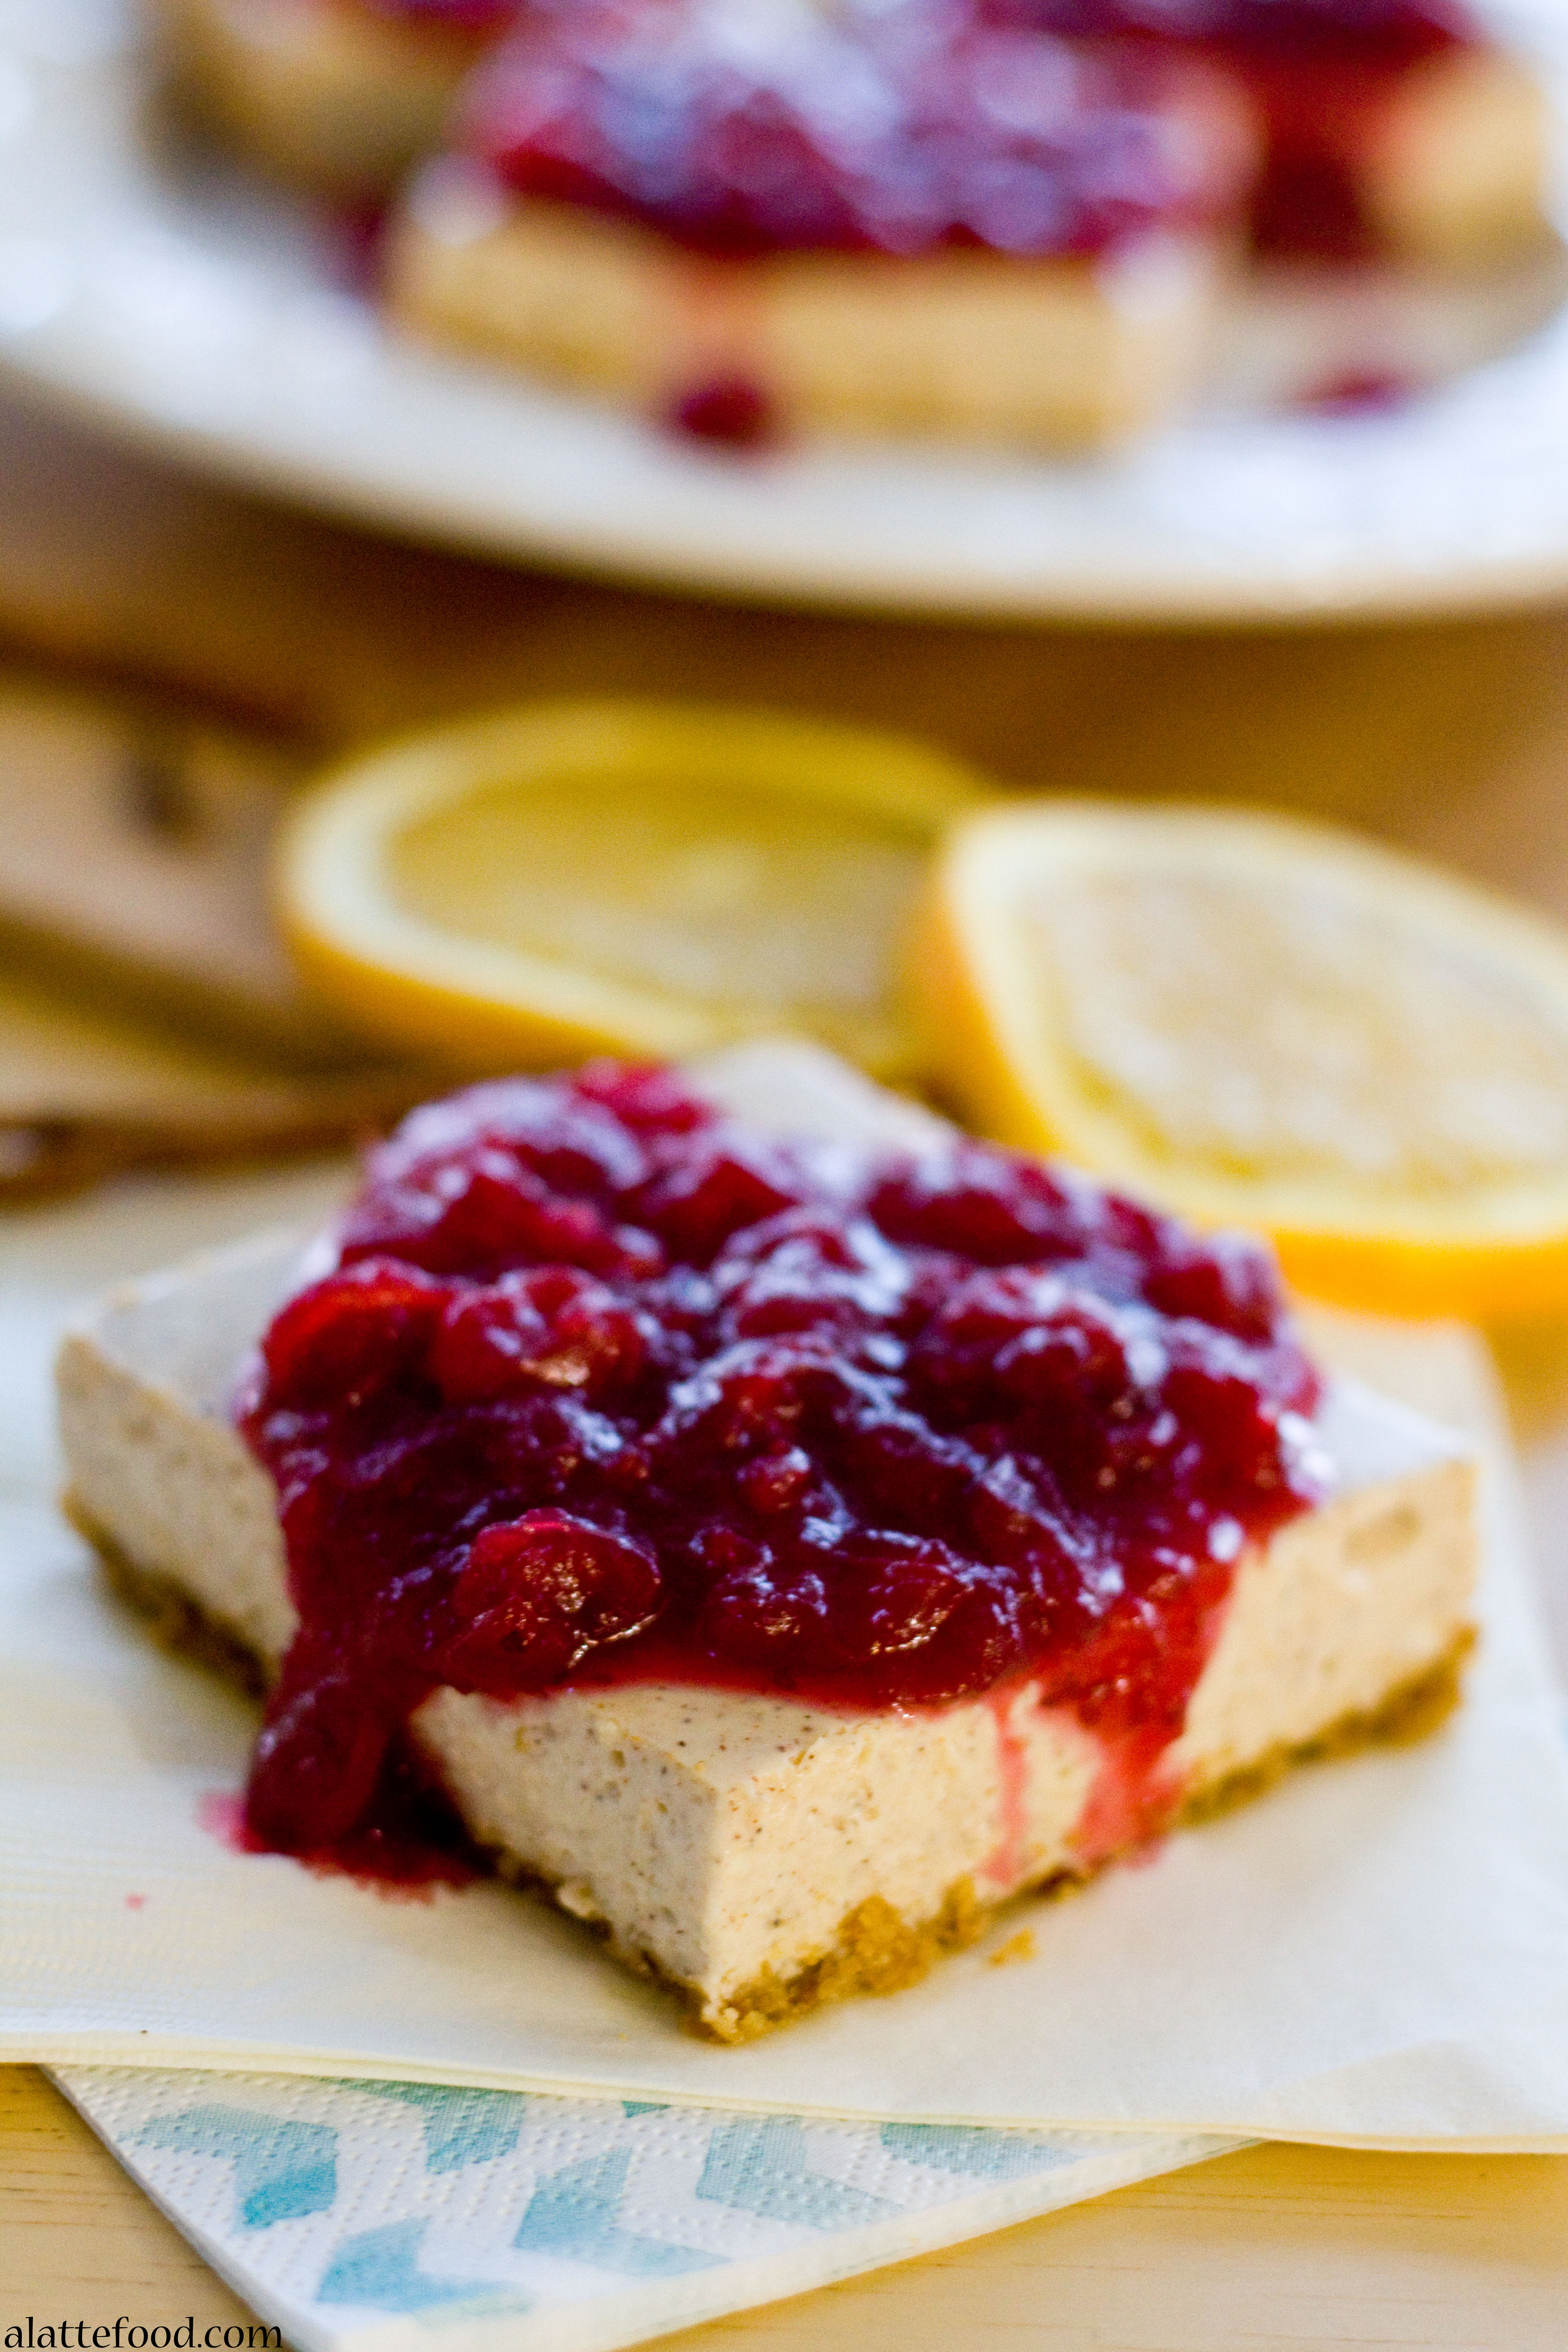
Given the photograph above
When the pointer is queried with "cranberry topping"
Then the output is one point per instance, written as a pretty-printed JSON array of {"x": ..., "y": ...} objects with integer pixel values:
[
  {"x": 604, "y": 1387},
  {"x": 892, "y": 130}
]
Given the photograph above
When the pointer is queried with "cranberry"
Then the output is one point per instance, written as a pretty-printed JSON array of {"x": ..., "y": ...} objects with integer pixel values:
[
  {"x": 714, "y": 1187},
  {"x": 1227, "y": 1280},
  {"x": 900, "y": 1468},
  {"x": 349, "y": 1334},
  {"x": 1074, "y": 1357},
  {"x": 765, "y": 1614},
  {"x": 482, "y": 1209},
  {"x": 774, "y": 1481},
  {"x": 643, "y": 1099},
  {"x": 879, "y": 1431},
  {"x": 487, "y": 1344},
  {"x": 1369, "y": 29},
  {"x": 537, "y": 1594},
  {"x": 988, "y": 1208},
  {"x": 1236, "y": 1427},
  {"x": 1012, "y": 1515},
  {"x": 1029, "y": 1334},
  {"x": 577, "y": 1144},
  {"x": 898, "y": 1601},
  {"x": 976, "y": 1647},
  {"x": 1367, "y": 392},
  {"x": 801, "y": 1270},
  {"x": 543, "y": 1331},
  {"x": 753, "y": 1397}
]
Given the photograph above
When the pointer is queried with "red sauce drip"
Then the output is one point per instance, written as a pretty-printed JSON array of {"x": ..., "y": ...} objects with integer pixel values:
[
  {"x": 604, "y": 1388},
  {"x": 1371, "y": 394},
  {"x": 1005, "y": 1864},
  {"x": 360, "y": 237},
  {"x": 222, "y": 1815},
  {"x": 408, "y": 1843},
  {"x": 898, "y": 131},
  {"x": 730, "y": 411},
  {"x": 1131, "y": 1798}
]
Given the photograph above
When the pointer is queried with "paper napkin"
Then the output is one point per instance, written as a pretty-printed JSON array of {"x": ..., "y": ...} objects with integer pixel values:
[
  {"x": 1377, "y": 1953},
  {"x": 358, "y": 2217}
]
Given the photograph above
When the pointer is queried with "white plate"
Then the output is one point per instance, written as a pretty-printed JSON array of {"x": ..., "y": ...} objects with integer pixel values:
[{"x": 205, "y": 317}]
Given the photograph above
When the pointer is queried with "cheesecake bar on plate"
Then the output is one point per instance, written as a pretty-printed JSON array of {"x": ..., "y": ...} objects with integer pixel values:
[
  {"x": 781, "y": 1527},
  {"x": 1005, "y": 220}
]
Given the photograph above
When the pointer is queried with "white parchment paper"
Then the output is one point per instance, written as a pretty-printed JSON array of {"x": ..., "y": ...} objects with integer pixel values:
[{"x": 1377, "y": 1953}]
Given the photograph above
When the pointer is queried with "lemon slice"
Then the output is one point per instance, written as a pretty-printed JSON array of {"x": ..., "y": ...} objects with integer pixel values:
[
  {"x": 627, "y": 878},
  {"x": 1261, "y": 1020}
]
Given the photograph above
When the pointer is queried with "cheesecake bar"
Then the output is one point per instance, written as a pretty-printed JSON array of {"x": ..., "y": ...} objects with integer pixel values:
[
  {"x": 1390, "y": 129},
  {"x": 763, "y": 1819},
  {"x": 851, "y": 220},
  {"x": 337, "y": 96}
]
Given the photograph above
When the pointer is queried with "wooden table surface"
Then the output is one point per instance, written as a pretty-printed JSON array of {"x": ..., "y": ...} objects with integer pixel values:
[{"x": 1452, "y": 738}]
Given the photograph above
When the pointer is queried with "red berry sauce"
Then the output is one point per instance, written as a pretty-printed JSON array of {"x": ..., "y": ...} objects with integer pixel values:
[
  {"x": 895, "y": 130},
  {"x": 604, "y": 1388},
  {"x": 728, "y": 412},
  {"x": 1363, "y": 395}
]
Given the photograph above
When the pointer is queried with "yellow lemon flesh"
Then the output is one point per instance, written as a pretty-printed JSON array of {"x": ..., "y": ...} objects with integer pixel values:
[
  {"x": 1260, "y": 1020},
  {"x": 626, "y": 878}
]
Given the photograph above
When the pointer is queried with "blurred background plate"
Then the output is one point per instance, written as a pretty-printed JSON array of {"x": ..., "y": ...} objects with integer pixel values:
[{"x": 151, "y": 288}]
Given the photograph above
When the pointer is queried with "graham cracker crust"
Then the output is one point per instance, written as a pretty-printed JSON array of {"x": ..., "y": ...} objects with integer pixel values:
[
  {"x": 177, "y": 1624},
  {"x": 1411, "y": 1711},
  {"x": 875, "y": 1949}
]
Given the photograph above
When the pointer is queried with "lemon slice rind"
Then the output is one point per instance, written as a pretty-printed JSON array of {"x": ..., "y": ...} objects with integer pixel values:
[
  {"x": 1492, "y": 1247},
  {"x": 474, "y": 1002}
]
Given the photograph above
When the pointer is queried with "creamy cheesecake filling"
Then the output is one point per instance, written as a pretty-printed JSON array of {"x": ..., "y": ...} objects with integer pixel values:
[{"x": 1067, "y": 352}]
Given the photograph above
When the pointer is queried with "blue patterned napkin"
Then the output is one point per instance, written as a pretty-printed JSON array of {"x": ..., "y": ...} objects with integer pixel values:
[{"x": 364, "y": 2213}]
